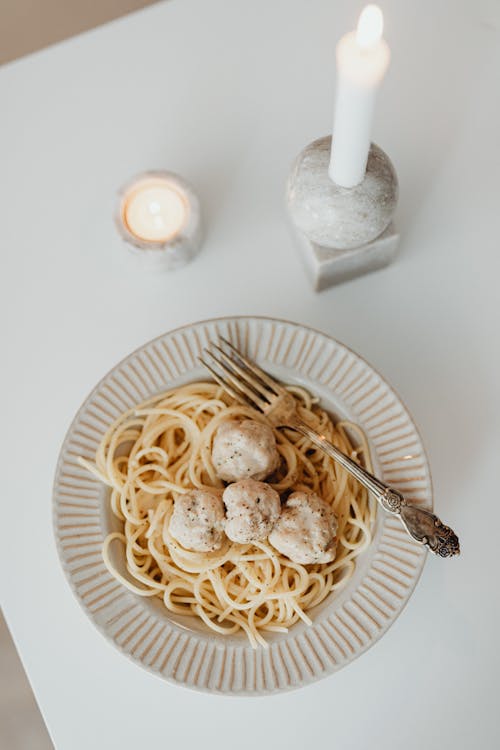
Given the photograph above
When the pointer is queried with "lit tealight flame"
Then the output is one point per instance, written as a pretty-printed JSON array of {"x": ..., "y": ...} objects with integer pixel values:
[{"x": 370, "y": 27}]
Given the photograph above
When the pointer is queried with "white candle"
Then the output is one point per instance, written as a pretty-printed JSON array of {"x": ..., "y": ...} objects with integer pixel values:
[
  {"x": 155, "y": 209},
  {"x": 362, "y": 61}
]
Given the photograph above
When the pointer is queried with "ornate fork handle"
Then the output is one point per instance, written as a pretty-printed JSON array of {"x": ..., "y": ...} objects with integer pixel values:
[{"x": 422, "y": 525}]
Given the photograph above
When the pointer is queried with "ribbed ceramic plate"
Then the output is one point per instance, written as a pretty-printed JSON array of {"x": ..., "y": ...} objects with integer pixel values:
[{"x": 346, "y": 624}]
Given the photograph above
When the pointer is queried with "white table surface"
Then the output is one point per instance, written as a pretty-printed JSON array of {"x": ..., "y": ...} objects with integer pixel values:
[{"x": 226, "y": 93}]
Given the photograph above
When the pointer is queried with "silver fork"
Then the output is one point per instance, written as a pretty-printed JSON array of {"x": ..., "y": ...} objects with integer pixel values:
[{"x": 250, "y": 385}]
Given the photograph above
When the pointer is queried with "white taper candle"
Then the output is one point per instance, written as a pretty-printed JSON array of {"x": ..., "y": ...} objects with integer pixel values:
[{"x": 362, "y": 60}]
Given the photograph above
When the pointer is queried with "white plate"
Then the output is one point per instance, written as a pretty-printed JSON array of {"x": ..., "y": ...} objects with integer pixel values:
[{"x": 346, "y": 624}]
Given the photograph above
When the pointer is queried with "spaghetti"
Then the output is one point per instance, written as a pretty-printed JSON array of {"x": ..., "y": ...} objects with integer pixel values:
[{"x": 162, "y": 448}]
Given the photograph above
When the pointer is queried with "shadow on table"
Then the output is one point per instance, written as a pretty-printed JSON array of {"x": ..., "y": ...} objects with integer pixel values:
[{"x": 21, "y": 724}]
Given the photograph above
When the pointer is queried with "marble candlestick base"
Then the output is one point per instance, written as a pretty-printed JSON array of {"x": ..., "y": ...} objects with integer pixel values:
[
  {"x": 327, "y": 266},
  {"x": 342, "y": 232}
]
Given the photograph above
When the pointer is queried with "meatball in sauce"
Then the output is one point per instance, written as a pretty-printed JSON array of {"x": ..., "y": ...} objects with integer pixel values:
[
  {"x": 198, "y": 520},
  {"x": 306, "y": 529},
  {"x": 252, "y": 509},
  {"x": 244, "y": 450}
]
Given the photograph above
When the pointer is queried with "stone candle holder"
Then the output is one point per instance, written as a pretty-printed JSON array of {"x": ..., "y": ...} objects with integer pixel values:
[
  {"x": 174, "y": 251},
  {"x": 342, "y": 232}
]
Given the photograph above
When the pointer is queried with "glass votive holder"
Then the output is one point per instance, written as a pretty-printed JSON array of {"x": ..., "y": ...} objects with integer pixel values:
[{"x": 158, "y": 217}]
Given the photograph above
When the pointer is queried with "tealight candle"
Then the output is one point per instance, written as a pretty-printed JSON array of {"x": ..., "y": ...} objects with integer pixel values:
[
  {"x": 155, "y": 210},
  {"x": 159, "y": 217}
]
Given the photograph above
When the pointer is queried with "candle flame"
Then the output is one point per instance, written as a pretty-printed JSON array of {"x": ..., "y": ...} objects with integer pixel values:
[{"x": 370, "y": 27}]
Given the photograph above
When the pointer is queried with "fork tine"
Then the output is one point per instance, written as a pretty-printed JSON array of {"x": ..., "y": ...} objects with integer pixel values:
[
  {"x": 238, "y": 396},
  {"x": 264, "y": 376},
  {"x": 247, "y": 376},
  {"x": 254, "y": 399}
]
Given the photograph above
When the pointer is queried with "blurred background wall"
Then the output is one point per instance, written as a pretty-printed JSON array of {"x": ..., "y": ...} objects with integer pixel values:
[{"x": 29, "y": 25}]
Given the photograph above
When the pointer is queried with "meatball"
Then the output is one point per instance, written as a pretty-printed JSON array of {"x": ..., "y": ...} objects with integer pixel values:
[
  {"x": 198, "y": 520},
  {"x": 244, "y": 450},
  {"x": 252, "y": 509},
  {"x": 305, "y": 531}
]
